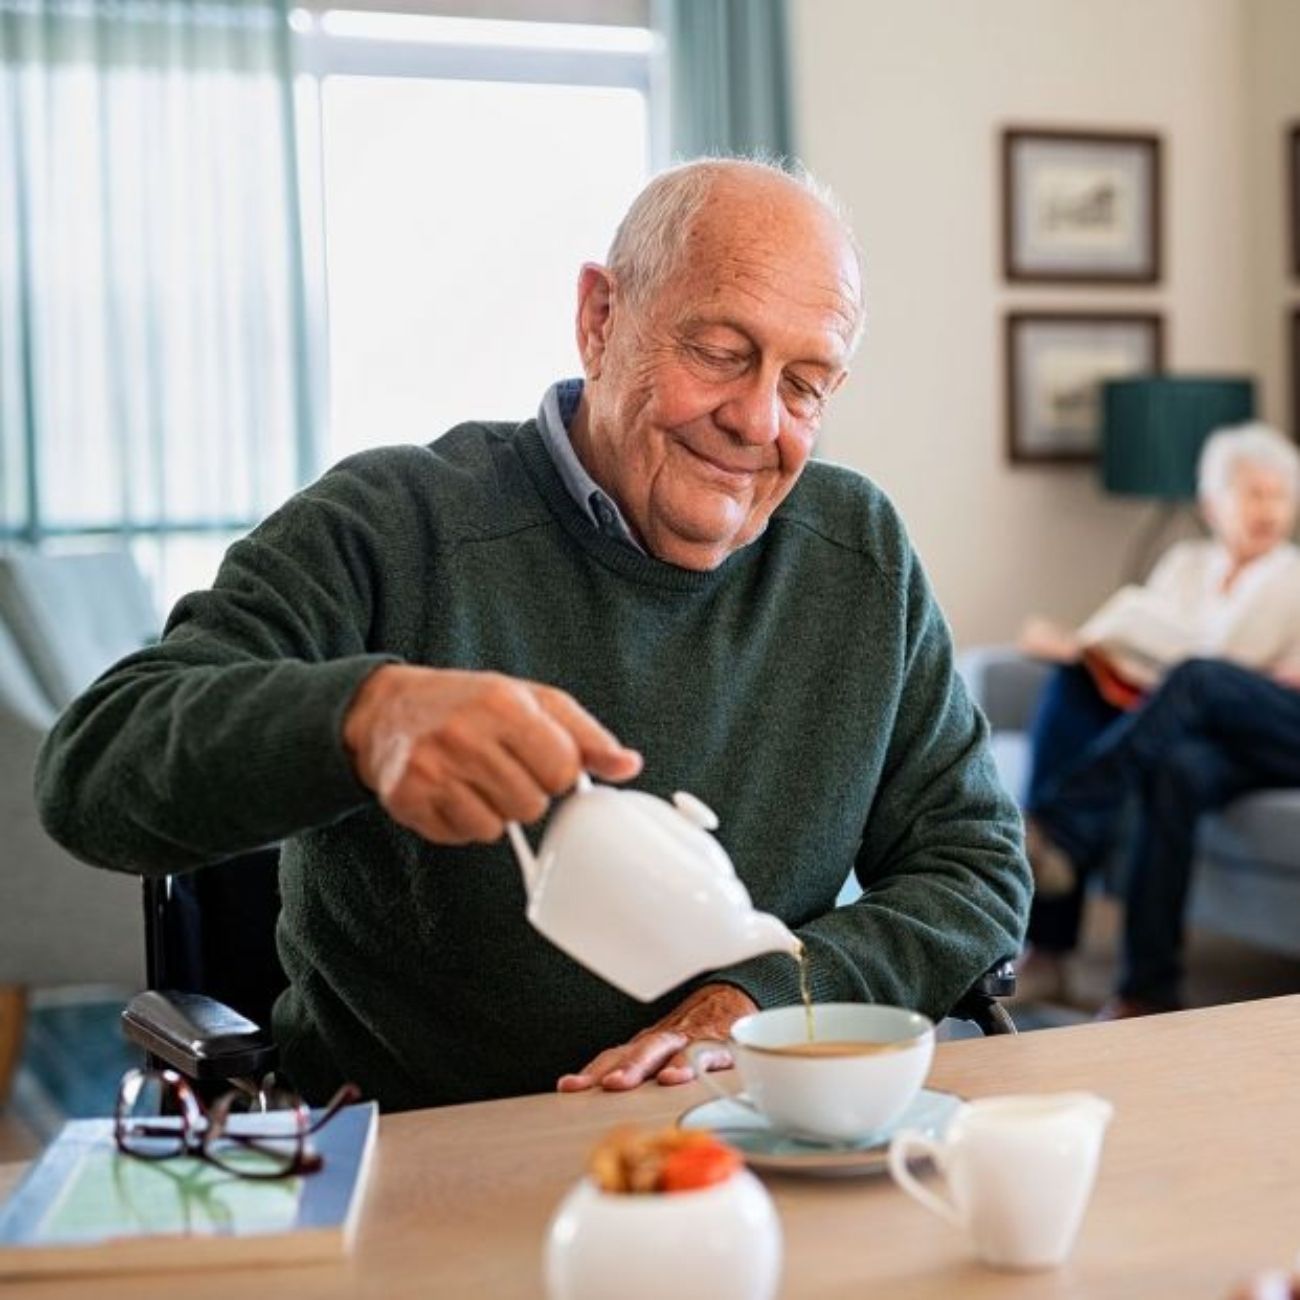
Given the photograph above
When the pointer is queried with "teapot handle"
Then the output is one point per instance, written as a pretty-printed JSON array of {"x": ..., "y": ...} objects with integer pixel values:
[
  {"x": 528, "y": 862},
  {"x": 524, "y": 856}
]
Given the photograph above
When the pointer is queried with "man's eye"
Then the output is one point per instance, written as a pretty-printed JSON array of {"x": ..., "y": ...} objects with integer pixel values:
[
  {"x": 804, "y": 397},
  {"x": 716, "y": 357}
]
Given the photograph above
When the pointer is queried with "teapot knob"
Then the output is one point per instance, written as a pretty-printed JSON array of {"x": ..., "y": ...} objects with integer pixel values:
[{"x": 696, "y": 811}]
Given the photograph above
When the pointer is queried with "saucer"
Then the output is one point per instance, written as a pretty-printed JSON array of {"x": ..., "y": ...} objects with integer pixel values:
[{"x": 765, "y": 1147}]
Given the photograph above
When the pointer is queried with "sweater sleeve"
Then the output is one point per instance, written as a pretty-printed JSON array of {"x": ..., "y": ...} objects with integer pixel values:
[
  {"x": 946, "y": 886},
  {"x": 227, "y": 735}
]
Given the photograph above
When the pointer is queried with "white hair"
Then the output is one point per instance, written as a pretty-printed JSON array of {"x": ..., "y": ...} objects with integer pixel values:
[
  {"x": 651, "y": 242},
  {"x": 1253, "y": 443}
]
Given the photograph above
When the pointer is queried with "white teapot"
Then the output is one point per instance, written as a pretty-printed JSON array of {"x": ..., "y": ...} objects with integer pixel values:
[{"x": 637, "y": 890}]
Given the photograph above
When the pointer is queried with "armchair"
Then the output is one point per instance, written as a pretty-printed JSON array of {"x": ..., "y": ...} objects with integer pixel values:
[
  {"x": 63, "y": 619},
  {"x": 1246, "y": 881}
]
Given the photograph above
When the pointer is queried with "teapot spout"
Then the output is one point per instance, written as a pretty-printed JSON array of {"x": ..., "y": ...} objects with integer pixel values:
[{"x": 765, "y": 933}]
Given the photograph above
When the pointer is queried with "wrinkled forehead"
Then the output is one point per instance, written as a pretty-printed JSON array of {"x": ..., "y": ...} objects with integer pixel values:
[{"x": 738, "y": 260}]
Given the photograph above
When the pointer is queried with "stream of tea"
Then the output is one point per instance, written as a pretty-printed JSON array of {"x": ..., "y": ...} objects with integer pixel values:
[{"x": 805, "y": 990}]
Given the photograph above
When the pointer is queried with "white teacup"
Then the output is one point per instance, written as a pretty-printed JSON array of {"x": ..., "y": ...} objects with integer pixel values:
[
  {"x": 856, "y": 1077},
  {"x": 1018, "y": 1172}
]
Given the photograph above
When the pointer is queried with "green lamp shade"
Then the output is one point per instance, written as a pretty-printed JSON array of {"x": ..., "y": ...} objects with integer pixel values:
[{"x": 1154, "y": 426}]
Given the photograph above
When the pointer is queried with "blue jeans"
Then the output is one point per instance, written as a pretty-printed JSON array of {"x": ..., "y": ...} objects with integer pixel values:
[
  {"x": 1071, "y": 717},
  {"x": 1211, "y": 731}
]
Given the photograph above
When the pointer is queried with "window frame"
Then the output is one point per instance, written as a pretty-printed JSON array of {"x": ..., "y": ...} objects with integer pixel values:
[{"x": 319, "y": 53}]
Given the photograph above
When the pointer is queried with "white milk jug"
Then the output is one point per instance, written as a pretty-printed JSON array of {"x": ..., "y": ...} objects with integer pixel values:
[{"x": 1017, "y": 1172}]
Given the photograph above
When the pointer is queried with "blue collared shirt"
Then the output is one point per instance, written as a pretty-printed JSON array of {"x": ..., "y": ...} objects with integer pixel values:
[{"x": 553, "y": 419}]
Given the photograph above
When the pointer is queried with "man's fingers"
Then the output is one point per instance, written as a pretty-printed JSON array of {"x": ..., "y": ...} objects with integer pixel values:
[
  {"x": 594, "y": 1071},
  {"x": 454, "y": 755},
  {"x": 546, "y": 749},
  {"x": 504, "y": 783},
  {"x": 680, "y": 1070},
  {"x": 621, "y": 1068},
  {"x": 601, "y": 751},
  {"x": 644, "y": 1057},
  {"x": 454, "y": 814}
]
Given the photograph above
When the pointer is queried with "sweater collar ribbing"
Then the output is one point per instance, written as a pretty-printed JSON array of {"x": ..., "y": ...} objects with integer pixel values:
[{"x": 610, "y": 552}]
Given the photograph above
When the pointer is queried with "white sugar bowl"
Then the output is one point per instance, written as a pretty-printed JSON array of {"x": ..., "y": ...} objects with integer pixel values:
[{"x": 720, "y": 1243}]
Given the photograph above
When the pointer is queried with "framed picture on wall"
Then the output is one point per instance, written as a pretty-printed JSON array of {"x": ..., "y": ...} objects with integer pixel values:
[
  {"x": 1295, "y": 373},
  {"x": 1055, "y": 364},
  {"x": 1293, "y": 154},
  {"x": 1080, "y": 206}
]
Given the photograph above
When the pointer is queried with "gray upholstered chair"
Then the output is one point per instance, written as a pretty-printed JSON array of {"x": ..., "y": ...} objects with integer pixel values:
[
  {"x": 63, "y": 620},
  {"x": 1247, "y": 879}
]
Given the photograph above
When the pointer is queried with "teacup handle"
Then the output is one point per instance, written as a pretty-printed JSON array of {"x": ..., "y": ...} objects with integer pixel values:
[
  {"x": 694, "y": 1052},
  {"x": 910, "y": 1144}
]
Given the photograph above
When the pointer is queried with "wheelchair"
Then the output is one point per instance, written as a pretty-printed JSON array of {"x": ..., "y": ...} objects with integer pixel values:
[{"x": 213, "y": 975}]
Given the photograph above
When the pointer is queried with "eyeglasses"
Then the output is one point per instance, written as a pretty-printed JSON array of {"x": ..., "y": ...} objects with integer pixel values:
[{"x": 262, "y": 1134}]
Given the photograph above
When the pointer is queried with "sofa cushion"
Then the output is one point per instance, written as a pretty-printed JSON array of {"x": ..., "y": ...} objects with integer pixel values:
[{"x": 74, "y": 615}]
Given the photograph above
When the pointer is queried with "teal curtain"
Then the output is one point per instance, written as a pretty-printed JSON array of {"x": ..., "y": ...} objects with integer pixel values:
[
  {"x": 152, "y": 335},
  {"x": 729, "y": 76}
]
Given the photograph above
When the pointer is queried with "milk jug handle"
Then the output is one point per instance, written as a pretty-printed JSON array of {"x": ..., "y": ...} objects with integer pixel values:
[{"x": 911, "y": 1143}]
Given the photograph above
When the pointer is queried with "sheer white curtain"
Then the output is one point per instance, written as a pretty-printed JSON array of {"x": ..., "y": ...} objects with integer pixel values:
[{"x": 152, "y": 340}]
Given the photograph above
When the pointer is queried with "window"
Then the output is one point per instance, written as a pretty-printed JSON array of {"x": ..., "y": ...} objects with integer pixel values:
[
  {"x": 452, "y": 176},
  {"x": 466, "y": 169}
]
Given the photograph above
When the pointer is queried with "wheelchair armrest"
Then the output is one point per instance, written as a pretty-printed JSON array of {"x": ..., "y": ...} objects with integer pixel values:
[
  {"x": 198, "y": 1036},
  {"x": 980, "y": 1004}
]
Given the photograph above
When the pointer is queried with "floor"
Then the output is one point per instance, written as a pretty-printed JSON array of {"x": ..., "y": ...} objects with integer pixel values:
[
  {"x": 73, "y": 1056},
  {"x": 1218, "y": 971},
  {"x": 81, "y": 1076}
]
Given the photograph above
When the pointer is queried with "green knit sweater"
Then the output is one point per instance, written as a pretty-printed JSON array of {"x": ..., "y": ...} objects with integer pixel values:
[{"x": 804, "y": 689}]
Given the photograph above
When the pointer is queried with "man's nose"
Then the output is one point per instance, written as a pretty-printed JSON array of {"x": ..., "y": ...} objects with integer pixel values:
[{"x": 752, "y": 412}]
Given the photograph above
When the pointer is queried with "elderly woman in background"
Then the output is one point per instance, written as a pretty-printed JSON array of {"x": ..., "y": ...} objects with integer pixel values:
[{"x": 1222, "y": 723}]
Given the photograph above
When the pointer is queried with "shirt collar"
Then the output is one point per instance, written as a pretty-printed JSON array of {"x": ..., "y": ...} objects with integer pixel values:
[
  {"x": 1253, "y": 574},
  {"x": 554, "y": 416}
]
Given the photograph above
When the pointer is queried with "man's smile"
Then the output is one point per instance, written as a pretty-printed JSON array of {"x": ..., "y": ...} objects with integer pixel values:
[{"x": 719, "y": 467}]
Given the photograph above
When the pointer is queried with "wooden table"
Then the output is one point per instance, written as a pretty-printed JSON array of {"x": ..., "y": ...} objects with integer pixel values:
[{"x": 1199, "y": 1182}]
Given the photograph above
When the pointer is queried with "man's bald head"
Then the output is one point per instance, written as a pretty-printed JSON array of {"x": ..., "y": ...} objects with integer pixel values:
[{"x": 694, "y": 212}]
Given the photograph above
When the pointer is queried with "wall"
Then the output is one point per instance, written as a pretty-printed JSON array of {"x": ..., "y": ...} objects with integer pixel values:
[
  {"x": 899, "y": 107},
  {"x": 1272, "y": 107}
]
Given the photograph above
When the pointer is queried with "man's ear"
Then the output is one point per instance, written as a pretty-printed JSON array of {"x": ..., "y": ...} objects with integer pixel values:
[{"x": 595, "y": 313}]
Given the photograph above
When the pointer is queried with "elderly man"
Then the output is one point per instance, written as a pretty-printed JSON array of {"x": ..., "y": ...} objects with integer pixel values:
[{"x": 430, "y": 641}]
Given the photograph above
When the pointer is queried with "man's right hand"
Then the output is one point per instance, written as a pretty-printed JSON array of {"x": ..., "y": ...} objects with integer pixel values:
[{"x": 455, "y": 755}]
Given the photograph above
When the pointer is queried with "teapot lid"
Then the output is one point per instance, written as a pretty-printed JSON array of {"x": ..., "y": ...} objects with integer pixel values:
[{"x": 696, "y": 811}]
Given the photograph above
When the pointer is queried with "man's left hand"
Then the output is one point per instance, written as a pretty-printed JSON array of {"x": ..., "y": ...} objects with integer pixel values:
[{"x": 659, "y": 1051}]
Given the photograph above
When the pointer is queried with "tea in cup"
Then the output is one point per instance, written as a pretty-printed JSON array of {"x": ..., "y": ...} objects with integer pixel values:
[
  {"x": 1017, "y": 1173},
  {"x": 854, "y": 1078}
]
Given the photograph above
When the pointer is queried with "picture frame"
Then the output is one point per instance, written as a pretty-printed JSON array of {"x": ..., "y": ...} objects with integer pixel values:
[
  {"x": 1081, "y": 207},
  {"x": 1055, "y": 363},
  {"x": 1293, "y": 189},
  {"x": 1295, "y": 373}
]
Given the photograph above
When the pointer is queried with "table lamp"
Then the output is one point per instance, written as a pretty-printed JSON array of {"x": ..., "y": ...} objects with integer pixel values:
[{"x": 1153, "y": 428}]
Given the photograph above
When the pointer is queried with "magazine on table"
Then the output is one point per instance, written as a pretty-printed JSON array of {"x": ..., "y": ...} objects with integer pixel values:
[{"x": 84, "y": 1207}]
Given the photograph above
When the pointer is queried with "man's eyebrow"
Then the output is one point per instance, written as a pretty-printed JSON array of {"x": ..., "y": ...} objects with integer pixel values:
[{"x": 694, "y": 324}]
